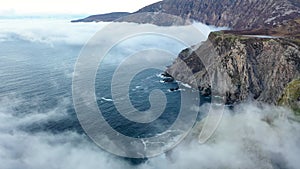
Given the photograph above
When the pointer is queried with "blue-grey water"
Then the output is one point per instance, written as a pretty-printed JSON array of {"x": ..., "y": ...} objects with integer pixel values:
[{"x": 40, "y": 74}]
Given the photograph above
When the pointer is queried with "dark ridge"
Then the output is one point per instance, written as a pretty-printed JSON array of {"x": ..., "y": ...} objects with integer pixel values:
[{"x": 109, "y": 17}]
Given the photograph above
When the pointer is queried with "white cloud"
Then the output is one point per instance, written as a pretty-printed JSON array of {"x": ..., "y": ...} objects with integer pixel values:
[
  {"x": 48, "y": 31},
  {"x": 51, "y": 31},
  {"x": 243, "y": 140}
]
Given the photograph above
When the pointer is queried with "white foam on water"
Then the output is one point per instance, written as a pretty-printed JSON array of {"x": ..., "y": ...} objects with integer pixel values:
[{"x": 106, "y": 99}]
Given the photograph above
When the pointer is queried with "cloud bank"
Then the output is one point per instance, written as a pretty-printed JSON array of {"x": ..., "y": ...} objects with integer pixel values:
[
  {"x": 249, "y": 136},
  {"x": 47, "y": 31}
]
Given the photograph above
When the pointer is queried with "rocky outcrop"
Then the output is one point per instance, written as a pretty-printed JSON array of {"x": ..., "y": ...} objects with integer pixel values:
[{"x": 240, "y": 67}]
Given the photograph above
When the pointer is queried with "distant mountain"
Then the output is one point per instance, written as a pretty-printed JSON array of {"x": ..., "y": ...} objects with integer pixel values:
[
  {"x": 103, "y": 17},
  {"x": 236, "y": 14}
]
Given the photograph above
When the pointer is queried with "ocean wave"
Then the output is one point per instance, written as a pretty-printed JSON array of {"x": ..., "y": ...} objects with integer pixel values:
[{"x": 105, "y": 99}]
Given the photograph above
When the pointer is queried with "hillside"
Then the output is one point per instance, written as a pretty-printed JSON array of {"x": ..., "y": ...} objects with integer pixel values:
[{"x": 236, "y": 14}]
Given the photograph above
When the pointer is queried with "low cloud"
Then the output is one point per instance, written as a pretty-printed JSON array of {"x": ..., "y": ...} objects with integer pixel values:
[
  {"x": 48, "y": 31},
  {"x": 249, "y": 136}
]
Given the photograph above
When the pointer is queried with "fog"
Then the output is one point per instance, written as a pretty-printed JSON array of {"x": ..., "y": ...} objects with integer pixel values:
[
  {"x": 51, "y": 31},
  {"x": 249, "y": 136},
  {"x": 47, "y": 31}
]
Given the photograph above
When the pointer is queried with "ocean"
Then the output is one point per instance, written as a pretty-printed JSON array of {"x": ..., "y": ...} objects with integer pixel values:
[{"x": 37, "y": 66}]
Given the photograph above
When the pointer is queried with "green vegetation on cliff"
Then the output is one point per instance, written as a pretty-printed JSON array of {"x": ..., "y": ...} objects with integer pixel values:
[{"x": 291, "y": 96}]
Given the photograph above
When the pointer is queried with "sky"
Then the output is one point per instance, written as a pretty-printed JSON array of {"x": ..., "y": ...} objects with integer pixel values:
[{"x": 72, "y": 7}]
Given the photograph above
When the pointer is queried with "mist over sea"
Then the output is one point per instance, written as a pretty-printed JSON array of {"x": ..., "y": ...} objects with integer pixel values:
[{"x": 39, "y": 127}]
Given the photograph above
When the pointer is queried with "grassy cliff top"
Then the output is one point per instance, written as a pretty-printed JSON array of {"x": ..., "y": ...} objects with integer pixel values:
[{"x": 288, "y": 28}]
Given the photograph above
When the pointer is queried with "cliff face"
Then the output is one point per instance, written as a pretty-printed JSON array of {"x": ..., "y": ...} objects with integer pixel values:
[
  {"x": 239, "y": 67},
  {"x": 237, "y": 14}
]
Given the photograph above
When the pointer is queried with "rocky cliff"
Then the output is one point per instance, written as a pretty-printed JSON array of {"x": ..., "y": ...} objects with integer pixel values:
[{"x": 240, "y": 67}]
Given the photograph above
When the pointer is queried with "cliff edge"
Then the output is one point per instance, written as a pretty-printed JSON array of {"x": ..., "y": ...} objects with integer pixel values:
[{"x": 239, "y": 67}]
